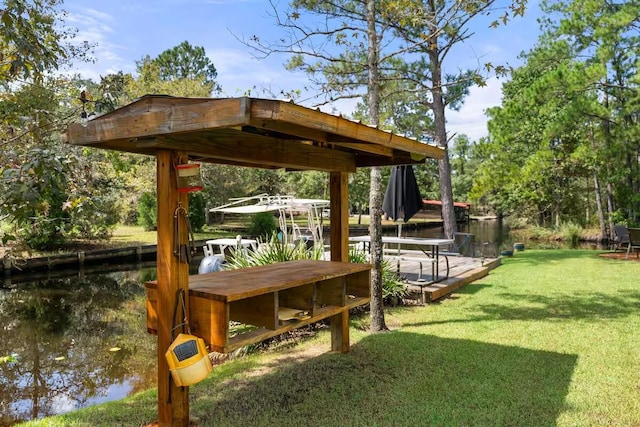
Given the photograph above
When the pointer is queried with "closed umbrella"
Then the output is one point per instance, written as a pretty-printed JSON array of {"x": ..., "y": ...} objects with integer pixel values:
[{"x": 402, "y": 198}]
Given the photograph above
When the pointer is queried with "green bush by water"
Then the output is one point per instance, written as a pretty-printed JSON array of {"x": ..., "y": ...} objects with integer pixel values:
[
  {"x": 148, "y": 211},
  {"x": 263, "y": 225},
  {"x": 197, "y": 206},
  {"x": 571, "y": 233}
]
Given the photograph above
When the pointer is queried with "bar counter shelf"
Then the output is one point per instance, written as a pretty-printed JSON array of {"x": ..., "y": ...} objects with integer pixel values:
[{"x": 273, "y": 298}]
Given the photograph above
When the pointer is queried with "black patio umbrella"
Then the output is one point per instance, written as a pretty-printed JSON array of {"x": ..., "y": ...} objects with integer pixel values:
[{"x": 402, "y": 199}]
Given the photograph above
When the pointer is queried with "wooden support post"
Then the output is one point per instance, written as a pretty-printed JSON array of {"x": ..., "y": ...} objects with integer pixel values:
[
  {"x": 339, "y": 236},
  {"x": 339, "y": 220},
  {"x": 173, "y": 401}
]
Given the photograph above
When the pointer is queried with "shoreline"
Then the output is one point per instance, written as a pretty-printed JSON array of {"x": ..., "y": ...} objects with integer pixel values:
[{"x": 79, "y": 259}]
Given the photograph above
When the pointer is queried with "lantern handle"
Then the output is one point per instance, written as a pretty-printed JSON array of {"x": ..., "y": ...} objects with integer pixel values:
[
  {"x": 185, "y": 320},
  {"x": 178, "y": 249}
]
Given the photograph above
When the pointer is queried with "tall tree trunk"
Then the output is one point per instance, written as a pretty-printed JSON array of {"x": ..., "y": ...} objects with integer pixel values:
[
  {"x": 601, "y": 218},
  {"x": 606, "y": 125},
  {"x": 610, "y": 207},
  {"x": 444, "y": 166},
  {"x": 375, "y": 191}
]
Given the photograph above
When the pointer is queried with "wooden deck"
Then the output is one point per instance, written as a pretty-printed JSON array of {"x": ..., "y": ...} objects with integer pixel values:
[{"x": 462, "y": 270}]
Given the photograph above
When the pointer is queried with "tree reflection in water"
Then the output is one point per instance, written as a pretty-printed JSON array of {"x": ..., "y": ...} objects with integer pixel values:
[{"x": 73, "y": 342}]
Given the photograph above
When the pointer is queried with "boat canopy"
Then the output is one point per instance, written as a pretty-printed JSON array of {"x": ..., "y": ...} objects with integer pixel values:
[{"x": 287, "y": 207}]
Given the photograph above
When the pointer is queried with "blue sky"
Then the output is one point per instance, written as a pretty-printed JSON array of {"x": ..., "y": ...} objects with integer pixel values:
[{"x": 126, "y": 30}]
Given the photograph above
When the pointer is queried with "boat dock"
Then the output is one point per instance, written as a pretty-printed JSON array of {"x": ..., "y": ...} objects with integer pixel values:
[{"x": 422, "y": 287}]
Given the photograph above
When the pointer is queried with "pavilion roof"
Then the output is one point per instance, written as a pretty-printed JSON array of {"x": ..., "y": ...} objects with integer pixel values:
[{"x": 248, "y": 132}]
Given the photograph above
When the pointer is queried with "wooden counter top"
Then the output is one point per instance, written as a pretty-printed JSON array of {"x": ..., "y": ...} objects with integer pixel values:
[{"x": 233, "y": 285}]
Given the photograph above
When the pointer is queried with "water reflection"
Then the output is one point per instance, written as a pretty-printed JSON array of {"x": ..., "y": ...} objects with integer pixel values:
[
  {"x": 73, "y": 342},
  {"x": 496, "y": 233},
  {"x": 490, "y": 231}
]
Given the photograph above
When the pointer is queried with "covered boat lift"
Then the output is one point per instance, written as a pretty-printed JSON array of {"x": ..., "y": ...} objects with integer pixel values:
[
  {"x": 246, "y": 132},
  {"x": 287, "y": 207}
]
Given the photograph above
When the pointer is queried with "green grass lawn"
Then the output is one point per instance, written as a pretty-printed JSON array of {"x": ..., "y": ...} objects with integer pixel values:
[
  {"x": 548, "y": 339},
  {"x": 125, "y": 235}
]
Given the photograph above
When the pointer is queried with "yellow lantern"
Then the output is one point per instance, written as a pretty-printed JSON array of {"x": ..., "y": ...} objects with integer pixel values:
[{"x": 188, "y": 360}]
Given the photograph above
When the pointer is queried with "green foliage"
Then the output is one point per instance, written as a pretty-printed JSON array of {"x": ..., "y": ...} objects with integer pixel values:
[
  {"x": 183, "y": 70},
  {"x": 43, "y": 233},
  {"x": 618, "y": 217},
  {"x": 359, "y": 190},
  {"x": 148, "y": 211},
  {"x": 546, "y": 152},
  {"x": 197, "y": 214},
  {"x": 263, "y": 224},
  {"x": 50, "y": 192},
  {"x": 186, "y": 62},
  {"x": 8, "y": 359},
  {"x": 263, "y": 181},
  {"x": 394, "y": 288},
  {"x": 33, "y": 39},
  {"x": 269, "y": 252},
  {"x": 572, "y": 233},
  {"x": 92, "y": 216},
  {"x": 49, "y": 204},
  {"x": 150, "y": 81},
  {"x": 358, "y": 256},
  {"x": 308, "y": 184}
]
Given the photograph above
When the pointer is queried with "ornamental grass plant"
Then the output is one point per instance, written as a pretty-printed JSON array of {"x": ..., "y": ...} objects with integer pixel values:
[{"x": 550, "y": 338}]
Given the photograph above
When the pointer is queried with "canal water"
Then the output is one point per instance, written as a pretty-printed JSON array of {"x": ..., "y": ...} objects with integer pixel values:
[
  {"x": 486, "y": 237},
  {"x": 74, "y": 341},
  {"x": 80, "y": 339}
]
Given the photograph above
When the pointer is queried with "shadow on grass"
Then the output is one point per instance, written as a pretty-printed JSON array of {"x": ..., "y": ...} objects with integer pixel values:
[
  {"x": 472, "y": 288},
  {"x": 400, "y": 379}
]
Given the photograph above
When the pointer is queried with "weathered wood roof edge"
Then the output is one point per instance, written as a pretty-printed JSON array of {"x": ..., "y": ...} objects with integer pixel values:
[{"x": 160, "y": 116}]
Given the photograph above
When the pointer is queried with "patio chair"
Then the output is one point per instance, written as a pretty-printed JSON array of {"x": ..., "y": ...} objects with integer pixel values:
[
  {"x": 634, "y": 241},
  {"x": 621, "y": 237}
]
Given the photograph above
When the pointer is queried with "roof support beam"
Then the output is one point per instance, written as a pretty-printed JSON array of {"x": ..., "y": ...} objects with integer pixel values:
[{"x": 268, "y": 152}]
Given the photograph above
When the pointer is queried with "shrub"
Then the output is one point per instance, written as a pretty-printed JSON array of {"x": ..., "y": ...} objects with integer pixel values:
[
  {"x": 393, "y": 287},
  {"x": 269, "y": 252},
  {"x": 263, "y": 225},
  {"x": 43, "y": 232},
  {"x": 571, "y": 233},
  {"x": 91, "y": 216},
  {"x": 148, "y": 211},
  {"x": 197, "y": 206}
]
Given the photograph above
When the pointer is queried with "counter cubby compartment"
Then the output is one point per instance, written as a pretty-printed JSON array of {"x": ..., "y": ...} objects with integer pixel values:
[
  {"x": 299, "y": 298},
  {"x": 330, "y": 292},
  {"x": 359, "y": 285}
]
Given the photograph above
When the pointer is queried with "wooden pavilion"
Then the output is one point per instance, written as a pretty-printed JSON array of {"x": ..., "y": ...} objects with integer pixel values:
[{"x": 246, "y": 132}]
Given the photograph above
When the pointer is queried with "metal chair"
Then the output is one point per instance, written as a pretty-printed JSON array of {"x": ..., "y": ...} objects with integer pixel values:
[
  {"x": 634, "y": 241},
  {"x": 621, "y": 238}
]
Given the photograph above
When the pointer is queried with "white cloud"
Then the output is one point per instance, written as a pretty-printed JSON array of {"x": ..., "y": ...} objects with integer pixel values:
[
  {"x": 239, "y": 71},
  {"x": 95, "y": 27},
  {"x": 471, "y": 119}
]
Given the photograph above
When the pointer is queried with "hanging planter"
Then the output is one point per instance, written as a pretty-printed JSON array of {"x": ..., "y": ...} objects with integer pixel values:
[{"x": 188, "y": 177}]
